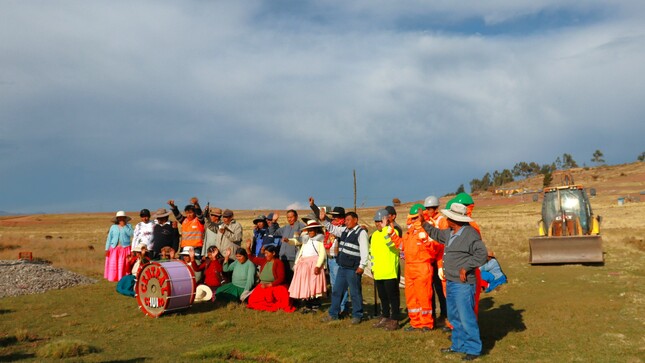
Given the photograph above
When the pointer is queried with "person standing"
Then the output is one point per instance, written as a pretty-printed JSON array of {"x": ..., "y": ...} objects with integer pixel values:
[
  {"x": 192, "y": 225},
  {"x": 117, "y": 247},
  {"x": 229, "y": 234},
  {"x": 463, "y": 254},
  {"x": 432, "y": 216},
  {"x": 164, "y": 234},
  {"x": 288, "y": 252},
  {"x": 385, "y": 269},
  {"x": 143, "y": 230},
  {"x": 419, "y": 253},
  {"x": 353, "y": 252},
  {"x": 212, "y": 220}
]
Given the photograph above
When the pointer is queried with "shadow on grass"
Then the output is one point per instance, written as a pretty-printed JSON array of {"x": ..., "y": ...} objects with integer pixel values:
[
  {"x": 7, "y": 341},
  {"x": 495, "y": 324},
  {"x": 132, "y": 360},
  {"x": 6, "y": 311},
  {"x": 12, "y": 357}
]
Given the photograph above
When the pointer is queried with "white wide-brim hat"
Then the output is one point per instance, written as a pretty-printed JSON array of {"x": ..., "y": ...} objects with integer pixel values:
[
  {"x": 121, "y": 214},
  {"x": 203, "y": 293},
  {"x": 457, "y": 212}
]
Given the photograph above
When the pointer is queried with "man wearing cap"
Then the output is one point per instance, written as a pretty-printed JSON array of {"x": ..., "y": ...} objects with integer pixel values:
[
  {"x": 212, "y": 220},
  {"x": 431, "y": 215},
  {"x": 143, "y": 230},
  {"x": 288, "y": 252},
  {"x": 353, "y": 252},
  {"x": 463, "y": 254},
  {"x": 164, "y": 233},
  {"x": 331, "y": 247},
  {"x": 229, "y": 233}
]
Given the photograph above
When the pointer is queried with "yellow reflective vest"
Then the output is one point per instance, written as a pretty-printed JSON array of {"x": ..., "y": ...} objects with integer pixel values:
[{"x": 385, "y": 256}]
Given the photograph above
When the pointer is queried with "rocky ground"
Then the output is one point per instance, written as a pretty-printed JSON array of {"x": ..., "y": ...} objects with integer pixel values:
[{"x": 19, "y": 277}]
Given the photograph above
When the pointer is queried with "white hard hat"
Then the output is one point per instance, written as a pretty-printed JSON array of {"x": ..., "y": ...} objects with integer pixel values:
[{"x": 431, "y": 201}]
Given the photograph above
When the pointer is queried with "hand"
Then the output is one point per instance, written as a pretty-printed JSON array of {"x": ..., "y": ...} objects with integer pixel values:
[
  {"x": 276, "y": 215},
  {"x": 285, "y": 240},
  {"x": 322, "y": 215},
  {"x": 316, "y": 270},
  {"x": 194, "y": 200},
  {"x": 359, "y": 271},
  {"x": 249, "y": 243},
  {"x": 441, "y": 274},
  {"x": 191, "y": 253},
  {"x": 171, "y": 203},
  {"x": 173, "y": 224},
  {"x": 311, "y": 201},
  {"x": 462, "y": 274},
  {"x": 423, "y": 235},
  {"x": 227, "y": 253}
]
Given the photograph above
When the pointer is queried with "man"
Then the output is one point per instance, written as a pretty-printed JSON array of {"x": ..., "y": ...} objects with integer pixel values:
[
  {"x": 192, "y": 225},
  {"x": 353, "y": 252},
  {"x": 463, "y": 254},
  {"x": 212, "y": 220},
  {"x": 229, "y": 234},
  {"x": 419, "y": 254},
  {"x": 288, "y": 252},
  {"x": 392, "y": 219},
  {"x": 331, "y": 248},
  {"x": 432, "y": 216},
  {"x": 164, "y": 234},
  {"x": 385, "y": 269}
]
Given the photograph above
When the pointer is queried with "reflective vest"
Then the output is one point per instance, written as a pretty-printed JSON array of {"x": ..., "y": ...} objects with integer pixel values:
[
  {"x": 385, "y": 256},
  {"x": 192, "y": 233},
  {"x": 349, "y": 252}
]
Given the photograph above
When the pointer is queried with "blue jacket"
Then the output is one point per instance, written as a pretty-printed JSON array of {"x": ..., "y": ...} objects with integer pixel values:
[{"x": 118, "y": 235}]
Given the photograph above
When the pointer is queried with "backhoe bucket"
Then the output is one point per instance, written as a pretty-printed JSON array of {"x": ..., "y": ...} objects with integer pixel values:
[{"x": 567, "y": 249}]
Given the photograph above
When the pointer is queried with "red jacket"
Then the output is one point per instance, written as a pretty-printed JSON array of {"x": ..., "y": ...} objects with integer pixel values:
[
  {"x": 213, "y": 274},
  {"x": 278, "y": 268}
]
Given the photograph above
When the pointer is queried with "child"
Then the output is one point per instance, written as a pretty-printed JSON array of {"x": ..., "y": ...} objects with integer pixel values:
[{"x": 211, "y": 267}]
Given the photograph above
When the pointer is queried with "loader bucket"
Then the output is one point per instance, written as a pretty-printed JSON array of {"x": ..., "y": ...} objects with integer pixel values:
[{"x": 567, "y": 249}]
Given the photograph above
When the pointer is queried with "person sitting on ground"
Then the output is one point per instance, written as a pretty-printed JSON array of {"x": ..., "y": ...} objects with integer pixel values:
[
  {"x": 491, "y": 273},
  {"x": 211, "y": 267},
  {"x": 143, "y": 230},
  {"x": 270, "y": 294},
  {"x": 117, "y": 247},
  {"x": 164, "y": 233},
  {"x": 192, "y": 225},
  {"x": 308, "y": 276},
  {"x": 166, "y": 254},
  {"x": 138, "y": 258},
  {"x": 243, "y": 277}
]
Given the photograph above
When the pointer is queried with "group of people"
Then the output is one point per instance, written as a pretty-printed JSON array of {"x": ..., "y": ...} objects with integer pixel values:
[{"x": 288, "y": 267}]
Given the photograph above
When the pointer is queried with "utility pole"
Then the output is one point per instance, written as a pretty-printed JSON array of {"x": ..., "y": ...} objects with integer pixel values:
[{"x": 354, "y": 190}]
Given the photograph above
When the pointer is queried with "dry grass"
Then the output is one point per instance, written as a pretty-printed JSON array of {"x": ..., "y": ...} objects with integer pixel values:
[{"x": 544, "y": 313}]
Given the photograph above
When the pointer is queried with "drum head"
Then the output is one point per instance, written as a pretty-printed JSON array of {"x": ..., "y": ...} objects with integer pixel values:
[{"x": 158, "y": 285}]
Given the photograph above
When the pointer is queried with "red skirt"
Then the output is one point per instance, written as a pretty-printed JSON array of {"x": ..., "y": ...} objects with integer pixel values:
[{"x": 271, "y": 298}]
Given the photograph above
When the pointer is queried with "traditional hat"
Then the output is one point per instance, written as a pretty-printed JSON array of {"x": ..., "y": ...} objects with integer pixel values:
[
  {"x": 203, "y": 293},
  {"x": 138, "y": 247},
  {"x": 215, "y": 211},
  {"x": 185, "y": 251},
  {"x": 309, "y": 217},
  {"x": 270, "y": 216},
  {"x": 457, "y": 212},
  {"x": 260, "y": 218},
  {"x": 312, "y": 224},
  {"x": 338, "y": 212},
  {"x": 161, "y": 212},
  {"x": 121, "y": 214},
  {"x": 227, "y": 213}
]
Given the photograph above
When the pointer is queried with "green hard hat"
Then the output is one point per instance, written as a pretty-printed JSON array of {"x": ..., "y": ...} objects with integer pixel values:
[
  {"x": 464, "y": 199},
  {"x": 416, "y": 209}
]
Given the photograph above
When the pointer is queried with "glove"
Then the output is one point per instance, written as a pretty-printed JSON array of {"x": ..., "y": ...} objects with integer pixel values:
[
  {"x": 441, "y": 275},
  {"x": 423, "y": 235},
  {"x": 390, "y": 230}
]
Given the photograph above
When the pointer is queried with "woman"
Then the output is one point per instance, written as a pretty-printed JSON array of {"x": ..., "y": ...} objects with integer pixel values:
[
  {"x": 243, "y": 277},
  {"x": 308, "y": 276},
  {"x": 117, "y": 247},
  {"x": 211, "y": 267},
  {"x": 138, "y": 258},
  {"x": 271, "y": 294}
]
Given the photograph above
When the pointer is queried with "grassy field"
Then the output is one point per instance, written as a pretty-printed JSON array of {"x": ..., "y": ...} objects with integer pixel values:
[{"x": 545, "y": 314}]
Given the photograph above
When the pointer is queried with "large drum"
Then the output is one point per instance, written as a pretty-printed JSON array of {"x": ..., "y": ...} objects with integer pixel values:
[{"x": 164, "y": 287}]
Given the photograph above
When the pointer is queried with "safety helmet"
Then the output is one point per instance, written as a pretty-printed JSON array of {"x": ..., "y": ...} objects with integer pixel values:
[
  {"x": 464, "y": 199},
  {"x": 416, "y": 209},
  {"x": 380, "y": 215},
  {"x": 431, "y": 201}
]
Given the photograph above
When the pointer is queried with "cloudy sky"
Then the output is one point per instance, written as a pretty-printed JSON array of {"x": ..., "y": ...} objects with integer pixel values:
[{"x": 109, "y": 105}]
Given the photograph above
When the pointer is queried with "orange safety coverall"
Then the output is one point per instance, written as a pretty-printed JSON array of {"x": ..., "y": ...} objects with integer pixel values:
[
  {"x": 419, "y": 253},
  {"x": 440, "y": 221}
]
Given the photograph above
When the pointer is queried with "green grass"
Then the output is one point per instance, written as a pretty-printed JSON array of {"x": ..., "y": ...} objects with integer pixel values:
[{"x": 563, "y": 313}]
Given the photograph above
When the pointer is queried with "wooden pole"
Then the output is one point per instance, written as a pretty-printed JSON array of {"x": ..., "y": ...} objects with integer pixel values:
[{"x": 354, "y": 190}]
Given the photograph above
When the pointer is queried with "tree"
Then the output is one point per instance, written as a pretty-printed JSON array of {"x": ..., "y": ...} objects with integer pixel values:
[
  {"x": 460, "y": 189},
  {"x": 548, "y": 177},
  {"x": 641, "y": 157},
  {"x": 558, "y": 163},
  {"x": 597, "y": 157},
  {"x": 568, "y": 162}
]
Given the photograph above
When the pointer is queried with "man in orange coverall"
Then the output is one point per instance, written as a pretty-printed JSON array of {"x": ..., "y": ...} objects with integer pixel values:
[
  {"x": 419, "y": 253},
  {"x": 431, "y": 215}
]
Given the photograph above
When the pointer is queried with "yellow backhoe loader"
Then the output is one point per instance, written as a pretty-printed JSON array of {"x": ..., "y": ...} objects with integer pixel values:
[{"x": 568, "y": 231}]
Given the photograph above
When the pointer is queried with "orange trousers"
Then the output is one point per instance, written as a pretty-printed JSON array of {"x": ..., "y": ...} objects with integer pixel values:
[{"x": 418, "y": 294}]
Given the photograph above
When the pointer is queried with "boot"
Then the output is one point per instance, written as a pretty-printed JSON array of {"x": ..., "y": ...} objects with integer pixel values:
[
  {"x": 391, "y": 325},
  {"x": 381, "y": 323}
]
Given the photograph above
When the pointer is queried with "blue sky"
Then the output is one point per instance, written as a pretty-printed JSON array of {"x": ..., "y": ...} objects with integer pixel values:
[{"x": 257, "y": 105}]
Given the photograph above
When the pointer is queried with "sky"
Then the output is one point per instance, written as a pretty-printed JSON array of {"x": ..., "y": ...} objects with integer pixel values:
[{"x": 120, "y": 105}]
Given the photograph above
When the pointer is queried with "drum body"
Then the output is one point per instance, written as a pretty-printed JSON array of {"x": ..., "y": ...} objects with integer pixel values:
[{"x": 164, "y": 287}]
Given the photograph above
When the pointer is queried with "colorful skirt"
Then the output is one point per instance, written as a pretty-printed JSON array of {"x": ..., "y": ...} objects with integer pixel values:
[
  {"x": 306, "y": 284},
  {"x": 116, "y": 263},
  {"x": 228, "y": 292},
  {"x": 272, "y": 298}
]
